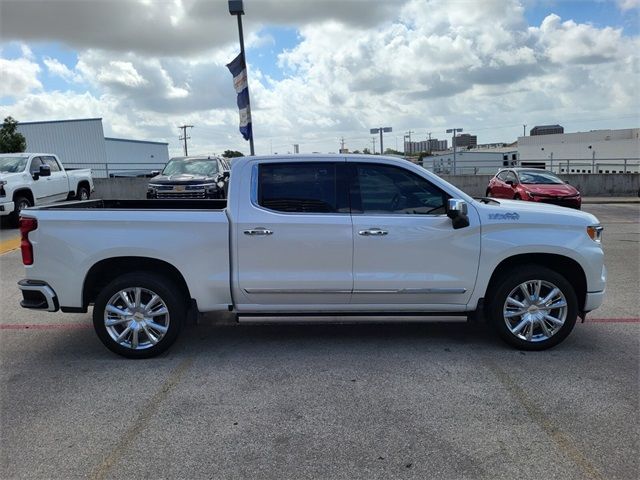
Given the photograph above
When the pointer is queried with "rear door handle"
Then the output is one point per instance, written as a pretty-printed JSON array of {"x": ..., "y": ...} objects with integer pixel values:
[
  {"x": 372, "y": 232},
  {"x": 258, "y": 231}
]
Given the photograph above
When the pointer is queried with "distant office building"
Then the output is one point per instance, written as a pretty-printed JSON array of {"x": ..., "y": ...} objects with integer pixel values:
[
  {"x": 546, "y": 130},
  {"x": 466, "y": 140},
  {"x": 432, "y": 145}
]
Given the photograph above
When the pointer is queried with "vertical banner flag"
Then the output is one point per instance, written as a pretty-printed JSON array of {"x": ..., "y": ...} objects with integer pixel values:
[{"x": 238, "y": 69}]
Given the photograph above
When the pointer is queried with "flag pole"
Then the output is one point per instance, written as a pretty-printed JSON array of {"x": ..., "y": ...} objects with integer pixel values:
[{"x": 236, "y": 8}]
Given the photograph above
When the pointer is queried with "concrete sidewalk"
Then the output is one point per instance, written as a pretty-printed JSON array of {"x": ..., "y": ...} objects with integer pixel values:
[{"x": 604, "y": 200}]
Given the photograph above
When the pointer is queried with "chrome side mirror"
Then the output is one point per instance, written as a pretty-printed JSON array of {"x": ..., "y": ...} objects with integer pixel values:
[{"x": 457, "y": 211}]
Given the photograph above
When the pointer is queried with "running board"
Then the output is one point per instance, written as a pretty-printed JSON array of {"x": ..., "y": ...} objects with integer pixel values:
[{"x": 346, "y": 318}]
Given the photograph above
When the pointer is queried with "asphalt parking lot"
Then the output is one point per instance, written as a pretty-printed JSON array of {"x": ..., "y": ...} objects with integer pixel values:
[{"x": 363, "y": 401}]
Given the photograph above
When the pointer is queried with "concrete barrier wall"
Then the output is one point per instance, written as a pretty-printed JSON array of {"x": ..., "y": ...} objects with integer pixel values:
[
  {"x": 120, "y": 188},
  {"x": 605, "y": 185}
]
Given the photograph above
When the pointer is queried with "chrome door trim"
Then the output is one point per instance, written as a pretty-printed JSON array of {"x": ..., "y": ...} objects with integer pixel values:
[
  {"x": 452, "y": 291},
  {"x": 289, "y": 291}
]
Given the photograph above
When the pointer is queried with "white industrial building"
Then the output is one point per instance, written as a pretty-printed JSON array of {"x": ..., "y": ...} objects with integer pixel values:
[
  {"x": 472, "y": 161},
  {"x": 81, "y": 143},
  {"x": 597, "y": 151}
]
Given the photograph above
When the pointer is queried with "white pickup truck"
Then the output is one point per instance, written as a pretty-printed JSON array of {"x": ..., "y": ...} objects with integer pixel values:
[
  {"x": 28, "y": 179},
  {"x": 318, "y": 238}
]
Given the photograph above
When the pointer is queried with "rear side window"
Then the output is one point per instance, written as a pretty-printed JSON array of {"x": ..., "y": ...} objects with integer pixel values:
[
  {"x": 53, "y": 164},
  {"x": 502, "y": 175},
  {"x": 299, "y": 187}
]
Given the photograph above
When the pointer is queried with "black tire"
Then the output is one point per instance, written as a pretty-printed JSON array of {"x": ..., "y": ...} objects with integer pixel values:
[
  {"x": 83, "y": 193},
  {"x": 20, "y": 202},
  {"x": 169, "y": 294},
  {"x": 507, "y": 283},
  {"x": 517, "y": 197},
  {"x": 487, "y": 193}
]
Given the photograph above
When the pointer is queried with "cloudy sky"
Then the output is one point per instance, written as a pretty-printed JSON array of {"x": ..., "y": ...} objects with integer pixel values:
[{"x": 320, "y": 70}]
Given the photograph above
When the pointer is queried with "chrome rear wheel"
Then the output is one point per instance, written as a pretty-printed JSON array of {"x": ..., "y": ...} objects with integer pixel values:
[{"x": 136, "y": 318}]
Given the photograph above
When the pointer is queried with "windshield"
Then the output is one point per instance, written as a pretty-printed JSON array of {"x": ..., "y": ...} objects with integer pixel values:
[
  {"x": 204, "y": 167},
  {"x": 12, "y": 164},
  {"x": 543, "y": 178}
]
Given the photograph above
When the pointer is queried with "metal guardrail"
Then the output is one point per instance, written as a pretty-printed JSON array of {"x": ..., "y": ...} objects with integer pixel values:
[
  {"x": 558, "y": 166},
  {"x": 119, "y": 169}
]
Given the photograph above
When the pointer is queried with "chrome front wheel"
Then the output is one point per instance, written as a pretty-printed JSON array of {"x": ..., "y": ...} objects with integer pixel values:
[
  {"x": 535, "y": 310},
  {"x": 532, "y": 307}
]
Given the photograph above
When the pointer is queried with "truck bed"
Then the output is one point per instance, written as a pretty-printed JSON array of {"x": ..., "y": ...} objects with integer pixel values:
[{"x": 140, "y": 205}]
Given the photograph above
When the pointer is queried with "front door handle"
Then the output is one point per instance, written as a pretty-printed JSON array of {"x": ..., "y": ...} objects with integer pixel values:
[
  {"x": 258, "y": 231},
  {"x": 372, "y": 232}
]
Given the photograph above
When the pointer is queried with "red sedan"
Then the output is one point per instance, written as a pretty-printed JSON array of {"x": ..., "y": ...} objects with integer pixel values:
[{"x": 534, "y": 186}]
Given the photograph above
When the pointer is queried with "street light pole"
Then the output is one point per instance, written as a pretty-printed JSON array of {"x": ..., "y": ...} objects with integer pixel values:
[
  {"x": 453, "y": 141},
  {"x": 380, "y": 130},
  {"x": 236, "y": 8}
]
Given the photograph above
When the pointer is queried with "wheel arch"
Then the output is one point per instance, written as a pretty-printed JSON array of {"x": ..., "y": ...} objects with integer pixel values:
[
  {"x": 105, "y": 271},
  {"x": 24, "y": 192},
  {"x": 83, "y": 183},
  {"x": 561, "y": 264}
]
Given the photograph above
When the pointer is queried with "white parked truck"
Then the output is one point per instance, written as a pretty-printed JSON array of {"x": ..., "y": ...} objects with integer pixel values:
[
  {"x": 315, "y": 238},
  {"x": 28, "y": 179}
]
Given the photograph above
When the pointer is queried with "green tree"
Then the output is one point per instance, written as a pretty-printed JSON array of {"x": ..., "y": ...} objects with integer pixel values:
[
  {"x": 232, "y": 154},
  {"x": 11, "y": 141},
  {"x": 366, "y": 151}
]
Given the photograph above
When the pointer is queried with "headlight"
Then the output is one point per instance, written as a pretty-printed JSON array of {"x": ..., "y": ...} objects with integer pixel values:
[
  {"x": 220, "y": 184},
  {"x": 595, "y": 232}
]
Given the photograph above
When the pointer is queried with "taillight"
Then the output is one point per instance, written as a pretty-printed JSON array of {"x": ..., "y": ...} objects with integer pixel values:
[{"x": 27, "y": 225}]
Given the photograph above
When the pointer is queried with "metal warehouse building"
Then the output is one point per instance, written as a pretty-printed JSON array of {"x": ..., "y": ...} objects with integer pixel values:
[{"x": 81, "y": 143}]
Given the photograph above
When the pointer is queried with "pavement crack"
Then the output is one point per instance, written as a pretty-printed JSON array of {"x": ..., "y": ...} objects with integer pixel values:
[
  {"x": 148, "y": 410},
  {"x": 536, "y": 414}
]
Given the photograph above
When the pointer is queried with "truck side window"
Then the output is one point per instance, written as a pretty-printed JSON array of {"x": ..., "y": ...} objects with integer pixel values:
[
  {"x": 35, "y": 165},
  {"x": 385, "y": 189},
  {"x": 53, "y": 164},
  {"x": 298, "y": 187}
]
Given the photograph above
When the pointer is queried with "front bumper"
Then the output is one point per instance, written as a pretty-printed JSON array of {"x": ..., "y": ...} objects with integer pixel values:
[
  {"x": 593, "y": 300},
  {"x": 38, "y": 295},
  {"x": 6, "y": 208},
  {"x": 569, "y": 202}
]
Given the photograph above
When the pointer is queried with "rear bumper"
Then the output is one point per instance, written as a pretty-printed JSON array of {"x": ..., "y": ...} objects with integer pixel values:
[
  {"x": 6, "y": 208},
  {"x": 38, "y": 295}
]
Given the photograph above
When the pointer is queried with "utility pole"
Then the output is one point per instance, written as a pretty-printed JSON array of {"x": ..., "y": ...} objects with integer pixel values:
[
  {"x": 373, "y": 143},
  {"x": 429, "y": 142},
  {"x": 342, "y": 145},
  {"x": 524, "y": 130},
  {"x": 185, "y": 137},
  {"x": 454, "y": 130},
  {"x": 408, "y": 135}
]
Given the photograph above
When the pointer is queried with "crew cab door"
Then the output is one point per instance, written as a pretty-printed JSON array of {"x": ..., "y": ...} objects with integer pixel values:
[
  {"x": 406, "y": 251},
  {"x": 293, "y": 236},
  {"x": 57, "y": 182}
]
